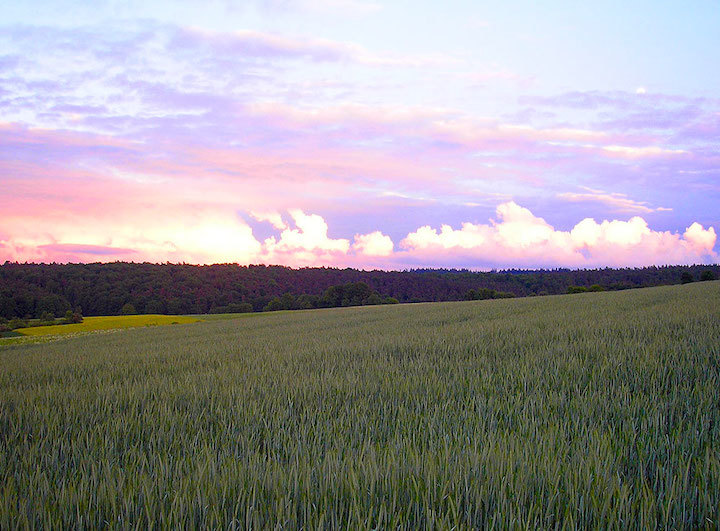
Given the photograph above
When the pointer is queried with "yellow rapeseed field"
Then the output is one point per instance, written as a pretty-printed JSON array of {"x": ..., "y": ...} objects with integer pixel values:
[{"x": 111, "y": 322}]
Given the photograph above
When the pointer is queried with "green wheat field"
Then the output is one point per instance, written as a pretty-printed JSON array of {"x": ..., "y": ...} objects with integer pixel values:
[{"x": 598, "y": 409}]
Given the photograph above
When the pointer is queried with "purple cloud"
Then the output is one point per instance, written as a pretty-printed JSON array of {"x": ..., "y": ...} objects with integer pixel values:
[
  {"x": 201, "y": 122},
  {"x": 79, "y": 249}
]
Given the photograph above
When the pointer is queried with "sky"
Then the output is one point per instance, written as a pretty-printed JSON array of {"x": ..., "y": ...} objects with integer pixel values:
[{"x": 354, "y": 133}]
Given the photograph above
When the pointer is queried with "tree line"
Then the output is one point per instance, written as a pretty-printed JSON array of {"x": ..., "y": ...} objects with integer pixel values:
[{"x": 35, "y": 290}]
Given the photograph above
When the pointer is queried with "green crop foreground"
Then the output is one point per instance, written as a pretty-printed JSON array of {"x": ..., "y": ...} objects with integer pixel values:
[{"x": 598, "y": 409}]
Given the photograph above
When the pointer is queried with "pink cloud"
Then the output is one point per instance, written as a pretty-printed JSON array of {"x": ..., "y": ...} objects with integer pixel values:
[
  {"x": 176, "y": 198},
  {"x": 515, "y": 238},
  {"x": 642, "y": 151},
  {"x": 90, "y": 250},
  {"x": 198, "y": 236}
]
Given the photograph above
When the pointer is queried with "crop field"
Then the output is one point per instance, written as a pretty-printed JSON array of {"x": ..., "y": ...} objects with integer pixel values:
[
  {"x": 598, "y": 409},
  {"x": 93, "y": 324},
  {"x": 107, "y": 323}
]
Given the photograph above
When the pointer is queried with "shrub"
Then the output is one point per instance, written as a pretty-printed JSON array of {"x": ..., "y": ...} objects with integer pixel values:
[
  {"x": 128, "y": 309},
  {"x": 686, "y": 277},
  {"x": 72, "y": 317},
  {"x": 273, "y": 305},
  {"x": 233, "y": 307},
  {"x": 374, "y": 299},
  {"x": 47, "y": 318},
  {"x": 487, "y": 293},
  {"x": 307, "y": 302},
  {"x": 16, "y": 322},
  {"x": 576, "y": 289},
  {"x": 239, "y": 307}
]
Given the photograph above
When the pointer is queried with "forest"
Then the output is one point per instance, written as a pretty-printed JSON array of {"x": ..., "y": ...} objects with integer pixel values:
[{"x": 31, "y": 290}]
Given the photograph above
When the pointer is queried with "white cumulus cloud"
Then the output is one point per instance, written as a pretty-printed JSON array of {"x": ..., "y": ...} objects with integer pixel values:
[
  {"x": 373, "y": 244},
  {"x": 519, "y": 238},
  {"x": 274, "y": 218},
  {"x": 308, "y": 243}
]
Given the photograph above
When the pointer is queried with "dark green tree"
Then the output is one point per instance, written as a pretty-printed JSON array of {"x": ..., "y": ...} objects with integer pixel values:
[
  {"x": 155, "y": 306},
  {"x": 708, "y": 275},
  {"x": 7, "y": 307},
  {"x": 274, "y": 305},
  {"x": 374, "y": 298},
  {"x": 288, "y": 301},
  {"x": 54, "y": 304}
]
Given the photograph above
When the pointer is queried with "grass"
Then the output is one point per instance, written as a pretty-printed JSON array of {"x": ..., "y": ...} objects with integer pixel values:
[{"x": 598, "y": 409}]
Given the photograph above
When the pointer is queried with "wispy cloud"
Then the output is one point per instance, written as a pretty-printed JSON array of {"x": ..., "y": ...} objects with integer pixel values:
[
  {"x": 617, "y": 201},
  {"x": 256, "y": 46},
  {"x": 335, "y": 7}
]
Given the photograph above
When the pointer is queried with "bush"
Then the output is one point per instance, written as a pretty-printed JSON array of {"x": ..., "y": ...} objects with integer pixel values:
[
  {"x": 72, "y": 317},
  {"x": 239, "y": 307},
  {"x": 274, "y": 305},
  {"x": 128, "y": 309},
  {"x": 576, "y": 289},
  {"x": 233, "y": 307},
  {"x": 486, "y": 293},
  {"x": 596, "y": 287},
  {"x": 47, "y": 318},
  {"x": 16, "y": 322},
  {"x": 374, "y": 299},
  {"x": 307, "y": 302},
  {"x": 390, "y": 300},
  {"x": 686, "y": 278}
]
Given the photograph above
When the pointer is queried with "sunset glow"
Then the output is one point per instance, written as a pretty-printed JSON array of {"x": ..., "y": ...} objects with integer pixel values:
[{"x": 362, "y": 134}]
